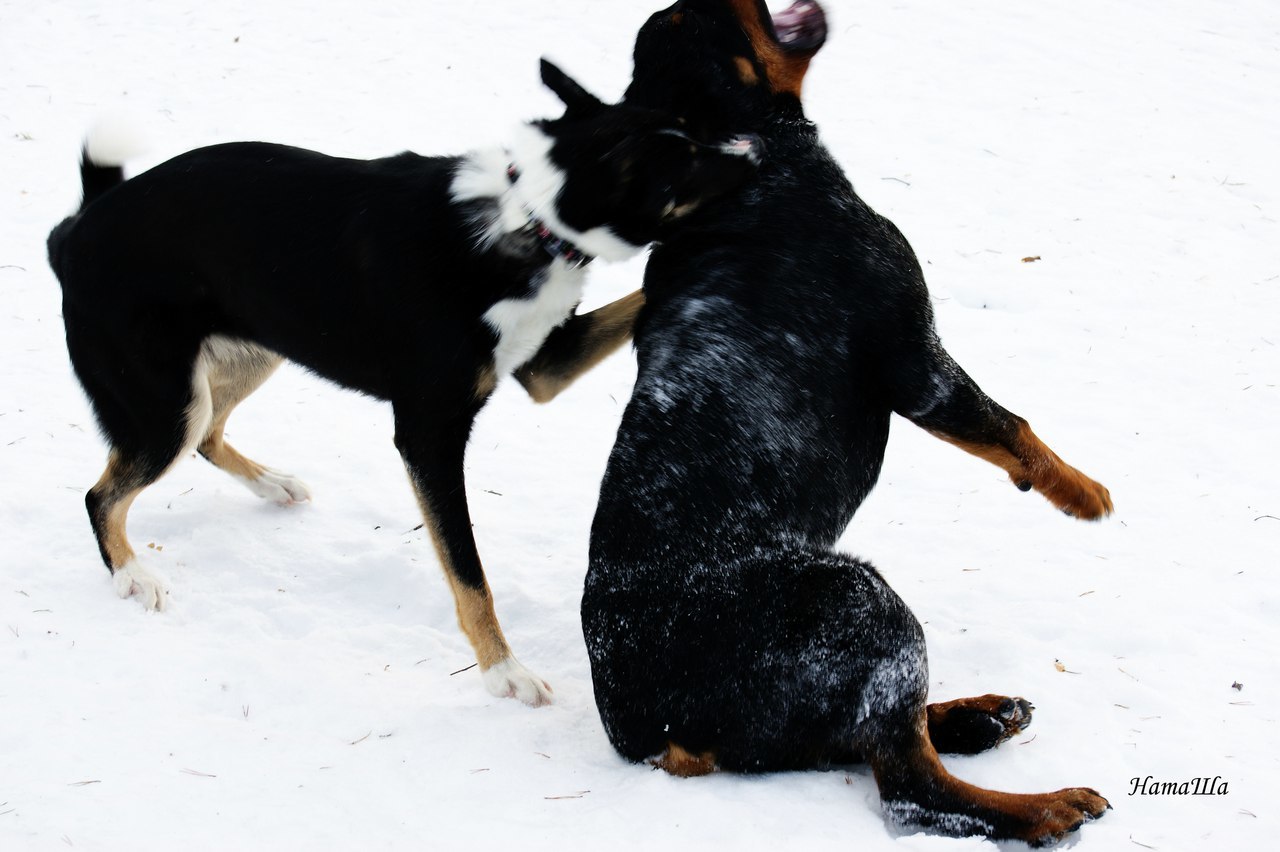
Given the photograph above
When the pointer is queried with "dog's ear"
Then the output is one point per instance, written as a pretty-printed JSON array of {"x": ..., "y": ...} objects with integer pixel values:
[{"x": 577, "y": 100}]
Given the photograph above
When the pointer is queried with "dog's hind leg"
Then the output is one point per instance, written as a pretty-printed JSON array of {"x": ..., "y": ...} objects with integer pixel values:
[
  {"x": 578, "y": 345},
  {"x": 164, "y": 421},
  {"x": 434, "y": 460},
  {"x": 108, "y": 503},
  {"x": 915, "y": 789},
  {"x": 930, "y": 389},
  {"x": 234, "y": 369}
]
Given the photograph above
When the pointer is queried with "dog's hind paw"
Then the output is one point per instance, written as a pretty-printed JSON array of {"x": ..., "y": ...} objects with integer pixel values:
[
  {"x": 509, "y": 679},
  {"x": 972, "y": 725},
  {"x": 132, "y": 580},
  {"x": 279, "y": 488}
]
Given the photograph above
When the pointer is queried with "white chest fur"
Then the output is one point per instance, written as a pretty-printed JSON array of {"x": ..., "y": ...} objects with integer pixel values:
[{"x": 523, "y": 324}]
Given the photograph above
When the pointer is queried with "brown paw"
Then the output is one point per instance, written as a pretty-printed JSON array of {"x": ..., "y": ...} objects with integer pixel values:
[
  {"x": 1071, "y": 491},
  {"x": 1033, "y": 465},
  {"x": 1064, "y": 812},
  {"x": 676, "y": 761}
]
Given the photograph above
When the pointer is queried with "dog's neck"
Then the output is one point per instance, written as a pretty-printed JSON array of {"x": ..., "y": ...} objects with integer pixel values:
[{"x": 522, "y": 185}]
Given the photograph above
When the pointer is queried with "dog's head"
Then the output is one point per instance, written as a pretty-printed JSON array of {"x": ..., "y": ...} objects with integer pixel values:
[
  {"x": 615, "y": 177},
  {"x": 725, "y": 63}
]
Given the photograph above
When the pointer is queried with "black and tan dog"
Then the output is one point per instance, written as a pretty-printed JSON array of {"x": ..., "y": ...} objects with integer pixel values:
[
  {"x": 419, "y": 280},
  {"x": 781, "y": 331}
]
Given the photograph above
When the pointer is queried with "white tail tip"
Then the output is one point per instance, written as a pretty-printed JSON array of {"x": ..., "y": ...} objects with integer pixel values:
[{"x": 114, "y": 140}]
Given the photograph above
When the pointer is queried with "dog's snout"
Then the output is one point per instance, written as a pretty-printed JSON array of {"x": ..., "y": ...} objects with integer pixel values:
[{"x": 747, "y": 145}]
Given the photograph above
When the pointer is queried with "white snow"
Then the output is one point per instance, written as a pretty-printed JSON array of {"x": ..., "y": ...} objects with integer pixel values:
[{"x": 298, "y": 690}]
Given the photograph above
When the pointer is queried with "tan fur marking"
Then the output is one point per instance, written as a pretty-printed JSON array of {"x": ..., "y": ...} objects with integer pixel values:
[
  {"x": 603, "y": 330},
  {"x": 785, "y": 70},
  {"x": 111, "y": 527},
  {"x": 227, "y": 458},
  {"x": 1030, "y": 460},
  {"x": 233, "y": 370},
  {"x": 746, "y": 71},
  {"x": 486, "y": 381},
  {"x": 476, "y": 615},
  {"x": 1044, "y": 815},
  {"x": 676, "y": 761}
]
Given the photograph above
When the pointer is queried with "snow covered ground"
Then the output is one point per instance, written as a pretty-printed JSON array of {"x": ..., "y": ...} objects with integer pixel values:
[{"x": 301, "y": 690}]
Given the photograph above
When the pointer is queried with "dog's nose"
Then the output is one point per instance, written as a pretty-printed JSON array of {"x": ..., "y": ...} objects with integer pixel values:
[{"x": 746, "y": 145}]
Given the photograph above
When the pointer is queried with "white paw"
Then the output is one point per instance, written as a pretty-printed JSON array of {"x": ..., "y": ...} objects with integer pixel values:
[
  {"x": 132, "y": 580},
  {"x": 509, "y": 679},
  {"x": 279, "y": 487}
]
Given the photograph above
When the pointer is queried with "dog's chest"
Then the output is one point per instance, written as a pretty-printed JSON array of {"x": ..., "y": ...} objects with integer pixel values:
[{"x": 523, "y": 324}]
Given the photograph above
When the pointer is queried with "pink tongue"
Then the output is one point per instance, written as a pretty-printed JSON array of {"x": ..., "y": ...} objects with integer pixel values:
[{"x": 791, "y": 23}]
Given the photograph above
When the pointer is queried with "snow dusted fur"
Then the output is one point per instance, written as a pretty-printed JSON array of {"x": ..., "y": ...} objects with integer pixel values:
[
  {"x": 417, "y": 280},
  {"x": 780, "y": 333}
]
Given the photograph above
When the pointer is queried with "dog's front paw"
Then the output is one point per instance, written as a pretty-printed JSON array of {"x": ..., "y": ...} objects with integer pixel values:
[
  {"x": 1074, "y": 493},
  {"x": 510, "y": 679},
  {"x": 132, "y": 580},
  {"x": 1064, "y": 812}
]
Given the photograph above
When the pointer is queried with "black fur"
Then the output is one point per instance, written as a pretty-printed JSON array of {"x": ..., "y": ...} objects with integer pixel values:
[
  {"x": 369, "y": 273},
  {"x": 781, "y": 331}
]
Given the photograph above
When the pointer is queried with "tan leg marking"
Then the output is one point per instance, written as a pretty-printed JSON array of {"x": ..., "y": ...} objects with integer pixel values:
[
  {"x": 1030, "y": 463},
  {"x": 227, "y": 457},
  {"x": 676, "y": 761},
  {"x": 502, "y": 673},
  {"x": 114, "y": 511},
  {"x": 1036, "y": 818},
  {"x": 231, "y": 370},
  {"x": 746, "y": 71},
  {"x": 476, "y": 616},
  {"x": 596, "y": 335}
]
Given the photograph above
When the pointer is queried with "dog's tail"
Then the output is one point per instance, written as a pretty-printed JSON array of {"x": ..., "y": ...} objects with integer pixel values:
[{"x": 107, "y": 147}]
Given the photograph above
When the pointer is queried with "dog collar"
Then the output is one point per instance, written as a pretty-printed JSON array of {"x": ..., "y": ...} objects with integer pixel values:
[{"x": 551, "y": 244}]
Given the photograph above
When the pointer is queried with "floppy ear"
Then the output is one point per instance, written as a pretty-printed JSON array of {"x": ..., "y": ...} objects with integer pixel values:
[{"x": 577, "y": 100}]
